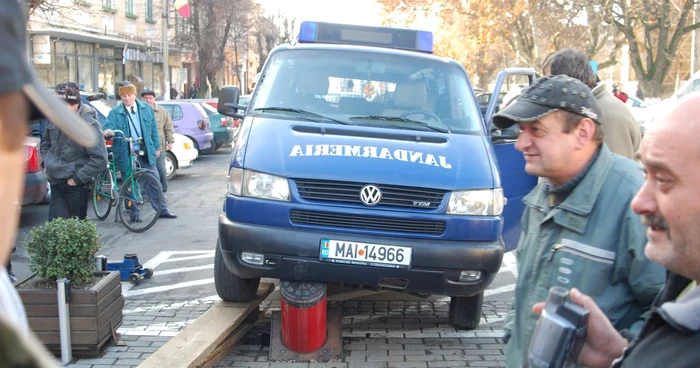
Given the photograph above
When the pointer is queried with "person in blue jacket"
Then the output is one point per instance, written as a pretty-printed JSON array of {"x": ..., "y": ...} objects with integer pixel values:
[{"x": 135, "y": 118}]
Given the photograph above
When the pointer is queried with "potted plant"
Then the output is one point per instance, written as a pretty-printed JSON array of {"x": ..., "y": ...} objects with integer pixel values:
[{"x": 65, "y": 248}]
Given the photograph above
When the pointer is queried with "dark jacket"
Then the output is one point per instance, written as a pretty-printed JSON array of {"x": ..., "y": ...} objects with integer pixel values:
[
  {"x": 64, "y": 159},
  {"x": 671, "y": 337},
  {"x": 117, "y": 119}
]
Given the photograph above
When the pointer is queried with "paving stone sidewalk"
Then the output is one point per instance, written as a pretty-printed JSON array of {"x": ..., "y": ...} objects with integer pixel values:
[{"x": 375, "y": 334}]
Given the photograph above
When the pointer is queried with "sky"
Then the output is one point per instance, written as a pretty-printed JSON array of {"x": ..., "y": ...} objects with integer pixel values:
[{"x": 360, "y": 12}]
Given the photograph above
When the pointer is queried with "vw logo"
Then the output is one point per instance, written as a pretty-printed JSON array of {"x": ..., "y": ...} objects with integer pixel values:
[{"x": 370, "y": 195}]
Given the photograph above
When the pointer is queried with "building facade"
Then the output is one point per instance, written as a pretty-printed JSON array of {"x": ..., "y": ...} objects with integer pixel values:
[{"x": 100, "y": 43}]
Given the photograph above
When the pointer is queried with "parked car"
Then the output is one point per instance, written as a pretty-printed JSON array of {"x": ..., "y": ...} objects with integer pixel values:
[
  {"x": 36, "y": 185},
  {"x": 190, "y": 119},
  {"x": 181, "y": 156},
  {"x": 640, "y": 110},
  {"x": 221, "y": 125}
]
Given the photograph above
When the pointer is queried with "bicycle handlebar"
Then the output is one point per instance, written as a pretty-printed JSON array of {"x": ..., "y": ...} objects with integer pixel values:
[{"x": 124, "y": 137}]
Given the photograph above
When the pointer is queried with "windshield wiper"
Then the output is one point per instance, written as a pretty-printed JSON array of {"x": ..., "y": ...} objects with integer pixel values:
[
  {"x": 308, "y": 114},
  {"x": 402, "y": 120}
]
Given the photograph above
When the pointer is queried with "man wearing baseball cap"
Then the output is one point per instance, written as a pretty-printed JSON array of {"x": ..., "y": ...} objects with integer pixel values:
[
  {"x": 579, "y": 230},
  {"x": 22, "y": 98},
  {"x": 69, "y": 166}
]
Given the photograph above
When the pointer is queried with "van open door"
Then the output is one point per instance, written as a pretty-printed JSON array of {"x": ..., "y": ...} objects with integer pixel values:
[{"x": 515, "y": 181}]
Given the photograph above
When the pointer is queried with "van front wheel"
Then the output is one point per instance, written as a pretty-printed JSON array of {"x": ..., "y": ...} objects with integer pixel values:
[
  {"x": 229, "y": 286},
  {"x": 465, "y": 311}
]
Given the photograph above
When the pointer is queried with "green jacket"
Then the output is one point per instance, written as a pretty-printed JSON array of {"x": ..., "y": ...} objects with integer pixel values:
[
  {"x": 592, "y": 241},
  {"x": 117, "y": 119}
]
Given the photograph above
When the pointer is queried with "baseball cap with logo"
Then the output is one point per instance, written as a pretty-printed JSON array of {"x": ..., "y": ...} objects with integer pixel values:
[
  {"x": 546, "y": 95},
  {"x": 17, "y": 75}
]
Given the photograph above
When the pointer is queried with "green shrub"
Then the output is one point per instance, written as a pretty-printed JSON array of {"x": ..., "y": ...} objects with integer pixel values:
[{"x": 63, "y": 248}]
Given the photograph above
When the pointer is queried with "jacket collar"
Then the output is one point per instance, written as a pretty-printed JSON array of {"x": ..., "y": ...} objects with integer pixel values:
[
  {"x": 684, "y": 313},
  {"x": 139, "y": 104},
  {"x": 573, "y": 212}
]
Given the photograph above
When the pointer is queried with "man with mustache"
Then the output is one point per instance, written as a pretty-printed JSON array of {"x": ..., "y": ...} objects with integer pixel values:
[
  {"x": 669, "y": 203},
  {"x": 578, "y": 228}
]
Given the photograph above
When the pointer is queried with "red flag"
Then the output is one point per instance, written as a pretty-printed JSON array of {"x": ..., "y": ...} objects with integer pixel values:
[{"x": 182, "y": 7}]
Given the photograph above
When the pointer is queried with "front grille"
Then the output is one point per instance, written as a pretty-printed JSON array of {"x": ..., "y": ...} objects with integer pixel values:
[
  {"x": 367, "y": 222},
  {"x": 349, "y": 192}
]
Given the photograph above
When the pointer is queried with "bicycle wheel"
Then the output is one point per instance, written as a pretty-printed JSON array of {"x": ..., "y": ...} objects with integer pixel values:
[
  {"x": 104, "y": 194},
  {"x": 140, "y": 201}
]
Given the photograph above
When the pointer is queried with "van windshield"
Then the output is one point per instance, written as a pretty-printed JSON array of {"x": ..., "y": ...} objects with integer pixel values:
[{"x": 366, "y": 88}]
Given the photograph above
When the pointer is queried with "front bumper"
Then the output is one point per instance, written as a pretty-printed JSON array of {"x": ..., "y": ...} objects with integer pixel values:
[{"x": 435, "y": 268}]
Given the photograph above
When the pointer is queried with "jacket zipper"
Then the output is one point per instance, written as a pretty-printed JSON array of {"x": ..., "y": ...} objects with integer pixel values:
[{"x": 578, "y": 252}]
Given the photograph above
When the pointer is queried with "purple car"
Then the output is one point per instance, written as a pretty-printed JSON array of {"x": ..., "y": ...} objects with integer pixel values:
[{"x": 191, "y": 120}]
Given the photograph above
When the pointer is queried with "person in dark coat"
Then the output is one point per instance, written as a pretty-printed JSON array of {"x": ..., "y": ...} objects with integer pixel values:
[{"x": 69, "y": 166}]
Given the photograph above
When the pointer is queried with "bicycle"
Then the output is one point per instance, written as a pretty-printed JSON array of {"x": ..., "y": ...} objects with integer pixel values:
[{"x": 133, "y": 194}]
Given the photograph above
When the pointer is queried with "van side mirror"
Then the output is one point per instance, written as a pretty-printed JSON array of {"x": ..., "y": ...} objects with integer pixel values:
[
  {"x": 228, "y": 102},
  {"x": 509, "y": 134}
]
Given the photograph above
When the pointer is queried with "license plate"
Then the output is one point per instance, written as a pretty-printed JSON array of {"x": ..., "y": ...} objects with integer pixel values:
[{"x": 364, "y": 254}]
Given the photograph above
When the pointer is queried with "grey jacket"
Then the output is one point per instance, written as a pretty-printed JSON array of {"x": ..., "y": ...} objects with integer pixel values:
[
  {"x": 64, "y": 159},
  {"x": 592, "y": 241},
  {"x": 621, "y": 130}
]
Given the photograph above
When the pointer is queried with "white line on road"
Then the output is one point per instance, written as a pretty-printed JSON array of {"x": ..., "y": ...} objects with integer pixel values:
[
  {"x": 499, "y": 290},
  {"x": 183, "y": 269},
  {"x": 157, "y": 289},
  {"x": 511, "y": 263},
  {"x": 190, "y": 251},
  {"x": 189, "y": 258}
]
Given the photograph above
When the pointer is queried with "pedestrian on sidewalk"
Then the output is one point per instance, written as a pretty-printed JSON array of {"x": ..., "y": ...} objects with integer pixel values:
[
  {"x": 669, "y": 205},
  {"x": 578, "y": 227},
  {"x": 23, "y": 98},
  {"x": 136, "y": 119},
  {"x": 69, "y": 166},
  {"x": 166, "y": 132},
  {"x": 622, "y": 134}
]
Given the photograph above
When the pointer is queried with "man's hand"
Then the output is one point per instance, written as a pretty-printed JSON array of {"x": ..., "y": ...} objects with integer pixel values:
[
  {"x": 72, "y": 182},
  {"x": 157, "y": 154},
  {"x": 603, "y": 343},
  {"x": 108, "y": 133},
  {"x": 169, "y": 147}
]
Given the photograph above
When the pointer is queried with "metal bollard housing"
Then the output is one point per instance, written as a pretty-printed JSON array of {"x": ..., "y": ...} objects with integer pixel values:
[{"x": 303, "y": 315}]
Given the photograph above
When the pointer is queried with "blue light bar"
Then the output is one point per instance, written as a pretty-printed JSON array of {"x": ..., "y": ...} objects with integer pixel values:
[
  {"x": 307, "y": 33},
  {"x": 405, "y": 39}
]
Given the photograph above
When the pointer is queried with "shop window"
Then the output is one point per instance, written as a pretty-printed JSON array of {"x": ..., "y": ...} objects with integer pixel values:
[
  {"x": 158, "y": 79},
  {"x": 148, "y": 75},
  {"x": 65, "y": 68}
]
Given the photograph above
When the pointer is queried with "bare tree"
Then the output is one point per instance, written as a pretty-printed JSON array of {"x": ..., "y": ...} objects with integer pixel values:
[{"x": 653, "y": 30}]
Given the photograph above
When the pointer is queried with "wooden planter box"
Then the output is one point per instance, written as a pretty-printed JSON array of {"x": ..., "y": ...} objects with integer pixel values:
[{"x": 94, "y": 313}]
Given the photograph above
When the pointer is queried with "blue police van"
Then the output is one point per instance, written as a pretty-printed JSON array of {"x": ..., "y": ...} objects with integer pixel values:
[{"x": 364, "y": 160}]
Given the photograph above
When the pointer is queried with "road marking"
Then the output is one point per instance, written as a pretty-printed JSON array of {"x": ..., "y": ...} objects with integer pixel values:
[
  {"x": 499, "y": 290},
  {"x": 201, "y": 256},
  {"x": 157, "y": 289},
  {"x": 183, "y": 269},
  {"x": 511, "y": 263}
]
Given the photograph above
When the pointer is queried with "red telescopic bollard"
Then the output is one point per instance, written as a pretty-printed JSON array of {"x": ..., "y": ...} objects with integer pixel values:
[{"x": 303, "y": 315}]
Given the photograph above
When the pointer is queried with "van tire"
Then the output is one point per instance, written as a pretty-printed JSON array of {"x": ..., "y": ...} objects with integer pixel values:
[
  {"x": 465, "y": 311},
  {"x": 230, "y": 287}
]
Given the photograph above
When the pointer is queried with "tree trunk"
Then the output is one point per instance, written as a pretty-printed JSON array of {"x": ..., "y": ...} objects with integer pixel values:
[{"x": 211, "y": 76}]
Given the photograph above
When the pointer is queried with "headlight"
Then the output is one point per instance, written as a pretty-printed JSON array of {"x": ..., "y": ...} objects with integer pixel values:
[
  {"x": 257, "y": 185},
  {"x": 487, "y": 202}
]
